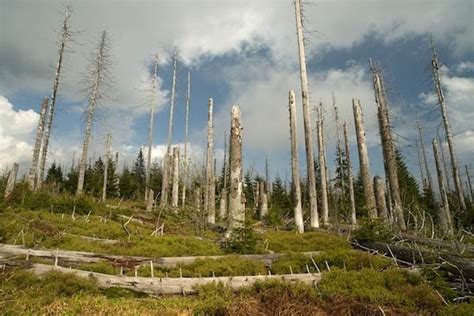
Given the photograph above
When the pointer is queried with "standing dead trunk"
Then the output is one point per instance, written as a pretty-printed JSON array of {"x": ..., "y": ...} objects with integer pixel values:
[
  {"x": 223, "y": 202},
  {"x": 339, "y": 146},
  {"x": 175, "y": 191},
  {"x": 210, "y": 196},
  {"x": 11, "y": 181},
  {"x": 263, "y": 199},
  {"x": 150, "y": 127},
  {"x": 106, "y": 166},
  {"x": 65, "y": 36},
  {"x": 447, "y": 128},
  {"x": 349, "y": 176},
  {"x": 151, "y": 200},
  {"x": 167, "y": 158},
  {"x": 469, "y": 185},
  {"x": 445, "y": 214},
  {"x": 380, "y": 198},
  {"x": 186, "y": 124},
  {"x": 98, "y": 72},
  {"x": 445, "y": 166},
  {"x": 313, "y": 206},
  {"x": 388, "y": 149},
  {"x": 425, "y": 160},
  {"x": 420, "y": 164},
  {"x": 364, "y": 159},
  {"x": 295, "y": 171},
  {"x": 236, "y": 210},
  {"x": 33, "y": 174},
  {"x": 322, "y": 166}
]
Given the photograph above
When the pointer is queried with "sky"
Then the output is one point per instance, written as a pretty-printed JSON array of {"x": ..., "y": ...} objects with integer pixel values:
[{"x": 238, "y": 52}]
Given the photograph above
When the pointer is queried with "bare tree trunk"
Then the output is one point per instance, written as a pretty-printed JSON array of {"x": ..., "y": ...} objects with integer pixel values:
[
  {"x": 445, "y": 166},
  {"x": 295, "y": 171},
  {"x": 65, "y": 36},
  {"x": 322, "y": 165},
  {"x": 175, "y": 191},
  {"x": 388, "y": 149},
  {"x": 236, "y": 211},
  {"x": 350, "y": 177},
  {"x": 469, "y": 185},
  {"x": 425, "y": 160},
  {"x": 313, "y": 206},
  {"x": 364, "y": 160},
  {"x": 339, "y": 145},
  {"x": 106, "y": 166},
  {"x": 32, "y": 176},
  {"x": 150, "y": 201},
  {"x": 445, "y": 216},
  {"x": 380, "y": 198},
  {"x": 186, "y": 162},
  {"x": 268, "y": 185},
  {"x": 223, "y": 202},
  {"x": 150, "y": 128},
  {"x": 420, "y": 164},
  {"x": 11, "y": 181},
  {"x": 210, "y": 200},
  {"x": 167, "y": 157},
  {"x": 263, "y": 199},
  {"x": 99, "y": 73},
  {"x": 449, "y": 135}
]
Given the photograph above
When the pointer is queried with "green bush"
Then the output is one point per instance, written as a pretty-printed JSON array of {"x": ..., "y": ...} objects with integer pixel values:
[
  {"x": 284, "y": 241},
  {"x": 242, "y": 240},
  {"x": 372, "y": 230}
]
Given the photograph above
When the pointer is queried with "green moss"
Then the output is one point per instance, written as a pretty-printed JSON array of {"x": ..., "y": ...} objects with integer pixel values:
[{"x": 464, "y": 309}]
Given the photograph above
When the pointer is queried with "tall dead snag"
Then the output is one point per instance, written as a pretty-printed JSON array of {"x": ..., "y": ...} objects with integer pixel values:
[
  {"x": 64, "y": 38},
  {"x": 33, "y": 174},
  {"x": 295, "y": 170},
  {"x": 380, "y": 198},
  {"x": 339, "y": 145},
  {"x": 98, "y": 71},
  {"x": 150, "y": 127},
  {"x": 388, "y": 148},
  {"x": 447, "y": 128},
  {"x": 151, "y": 200},
  {"x": 349, "y": 176},
  {"x": 167, "y": 158},
  {"x": 262, "y": 199},
  {"x": 313, "y": 206},
  {"x": 106, "y": 166},
  {"x": 210, "y": 196},
  {"x": 420, "y": 164},
  {"x": 469, "y": 183},
  {"x": 425, "y": 160},
  {"x": 445, "y": 214},
  {"x": 236, "y": 214},
  {"x": 445, "y": 166},
  {"x": 364, "y": 159},
  {"x": 186, "y": 125},
  {"x": 175, "y": 181},
  {"x": 11, "y": 181},
  {"x": 223, "y": 201},
  {"x": 322, "y": 165}
]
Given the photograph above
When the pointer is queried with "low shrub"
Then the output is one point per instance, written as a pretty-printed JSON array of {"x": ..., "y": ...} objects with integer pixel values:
[{"x": 372, "y": 230}]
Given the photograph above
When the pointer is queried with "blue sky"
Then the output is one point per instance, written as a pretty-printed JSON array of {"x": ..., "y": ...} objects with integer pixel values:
[{"x": 238, "y": 52}]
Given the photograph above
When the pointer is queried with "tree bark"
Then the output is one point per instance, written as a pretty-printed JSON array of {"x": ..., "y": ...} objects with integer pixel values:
[
  {"x": 223, "y": 201},
  {"x": 11, "y": 181},
  {"x": 236, "y": 210},
  {"x": 425, "y": 160},
  {"x": 106, "y": 167},
  {"x": 210, "y": 199},
  {"x": 175, "y": 190},
  {"x": 295, "y": 165},
  {"x": 445, "y": 214},
  {"x": 380, "y": 201},
  {"x": 322, "y": 166},
  {"x": 469, "y": 184},
  {"x": 313, "y": 206},
  {"x": 350, "y": 177},
  {"x": 186, "y": 128},
  {"x": 364, "y": 160},
  {"x": 150, "y": 128},
  {"x": 33, "y": 174},
  {"x": 263, "y": 199},
  {"x": 150, "y": 201}
]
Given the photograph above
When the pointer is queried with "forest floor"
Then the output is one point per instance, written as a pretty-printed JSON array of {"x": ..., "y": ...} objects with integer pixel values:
[{"x": 349, "y": 281}]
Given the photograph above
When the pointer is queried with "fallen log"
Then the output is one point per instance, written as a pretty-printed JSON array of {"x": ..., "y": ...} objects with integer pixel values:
[
  {"x": 173, "y": 285},
  {"x": 442, "y": 244},
  {"x": 131, "y": 261}
]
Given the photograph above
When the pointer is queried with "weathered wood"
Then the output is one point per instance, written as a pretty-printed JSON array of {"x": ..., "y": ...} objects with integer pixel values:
[
  {"x": 313, "y": 206},
  {"x": 263, "y": 200},
  {"x": 210, "y": 193},
  {"x": 11, "y": 180},
  {"x": 445, "y": 214},
  {"x": 364, "y": 159},
  {"x": 151, "y": 200},
  {"x": 322, "y": 166},
  {"x": 33, "y": 174},
  {"x": 181, "y": 286},
  {"x": 236, "y": 209},
  {"x": 423, "y": 152},
  {"x": 150, "y": 127},
  {"x": 106, "y": 166},
  {"x": 450, "y": 246},
  {"x": 469, "y": 184},
  {"x": 295, "y": 171},
  {"x": 175, "y": 188},
  {"x": 186, "y": 129},
  {"x": 380, "y": 198},
  {"x": 349, "y": 175}
]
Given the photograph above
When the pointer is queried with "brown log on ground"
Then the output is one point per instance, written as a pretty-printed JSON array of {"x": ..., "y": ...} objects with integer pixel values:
[
  {"x": 364, "y": 160},
  {"x": 174, "y": 285},
  {"x": 440, "y": 244},
  {"x": 380, "y": 198},
  {"x": 11, "y": 181}
]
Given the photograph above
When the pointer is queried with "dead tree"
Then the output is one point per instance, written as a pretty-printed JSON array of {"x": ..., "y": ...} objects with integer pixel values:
[
  {"x": 175, "y": 181},
  {"x": 445, "y": 214},
  {"x": 210, "y": 194},
  {"x": 236, "y": 215},
  {"x": 445, "y": 166},
  {"x": 98, "y": 74},
  {"x": 11, "y": 181},
  {"x": 420, "y": 164},
  {"x": 322, "y": 165},
  {"x": 150, "y": 127},
  {"x": 262, "y": 199},
  {"x": 380, "y": 201},
  {"x": 223, "y": 201},
  {"x": 33, "y": 174},
  {"x": 349, "y": 176},
  {"x": 469, "y": 184},
  {"x": 313, "y": 206},
  {"x": 106, "y": 166},
  {"x": 64, "y": 38},
  {"x": 364, "y": 159},
  {"x": 388, "y": 148},
  {"x": 447, "y": 128},
  {"x": 295, "y": 171},
  {"x": 339, "y": 144},
  {"x": 425, "y": 160},
  {"x": 186, "y": 125},
  {"x": 167, "y": 158}
]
